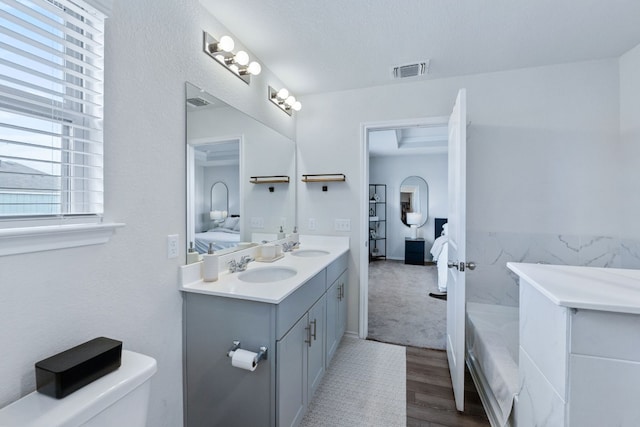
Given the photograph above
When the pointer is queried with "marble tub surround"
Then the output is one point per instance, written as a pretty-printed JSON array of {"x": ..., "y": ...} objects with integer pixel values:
[
  {"x": 493, "y": 283},
  {"x": 579, "y": 360},
  {"x": 230, "y": 285}
]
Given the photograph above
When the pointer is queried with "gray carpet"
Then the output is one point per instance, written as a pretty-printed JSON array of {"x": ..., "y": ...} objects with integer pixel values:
[
  {"x": 365, "y": 385},
  {"x": 400, "y": 309}
]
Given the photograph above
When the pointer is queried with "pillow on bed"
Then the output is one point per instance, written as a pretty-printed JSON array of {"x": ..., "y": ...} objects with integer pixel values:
[
  {"x": 237, "y": 226},
  {"x": 230, "y": 222}
]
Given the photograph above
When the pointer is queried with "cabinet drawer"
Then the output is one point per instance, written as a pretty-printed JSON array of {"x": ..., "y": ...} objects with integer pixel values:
[{"x": 299, "y": 302}]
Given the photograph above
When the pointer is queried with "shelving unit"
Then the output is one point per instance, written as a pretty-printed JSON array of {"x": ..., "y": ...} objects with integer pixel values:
[
  {"x": 377, "y": 221},
  {"x": 270, "y": 179}
]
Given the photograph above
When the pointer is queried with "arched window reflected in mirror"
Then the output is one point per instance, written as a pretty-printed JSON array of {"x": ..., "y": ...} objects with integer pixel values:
[
  {"x": 414, "y": 201},
  {"x": 219, "y": 200}
]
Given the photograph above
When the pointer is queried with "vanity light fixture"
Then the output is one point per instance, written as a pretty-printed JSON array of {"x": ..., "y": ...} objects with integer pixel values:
[
  {"x": 238, "y": 63},
  {"x": 284, "y": 100}
]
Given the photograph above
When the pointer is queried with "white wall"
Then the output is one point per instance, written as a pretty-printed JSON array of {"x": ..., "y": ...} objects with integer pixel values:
[
  {"x": 392, "y": 170},
  {"x": 630, "y": 140},
  {"x": 127, "y": 288},
  {"x": 541, "y": 149}
]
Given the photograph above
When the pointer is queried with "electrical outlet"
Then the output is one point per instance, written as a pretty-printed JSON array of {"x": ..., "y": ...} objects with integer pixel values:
[
  {"x": 257, "y": 222},
  {"x": 283, "y": 222},
  {"x": 342, "y": 225},
  {"x": 312, "y": 224},
  {"x": 172, "y": 246}
]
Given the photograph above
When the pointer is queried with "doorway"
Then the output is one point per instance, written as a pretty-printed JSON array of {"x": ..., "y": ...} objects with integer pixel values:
[{"x": 391, "y": 153}]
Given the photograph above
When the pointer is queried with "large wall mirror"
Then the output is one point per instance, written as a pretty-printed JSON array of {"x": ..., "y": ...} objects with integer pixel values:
[
  {"x": 414, "y": 201},
  {"x": 225, "y": 148}
]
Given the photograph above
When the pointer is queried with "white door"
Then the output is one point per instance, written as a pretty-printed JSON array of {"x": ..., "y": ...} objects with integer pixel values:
[{"x": 457, "y": 240}]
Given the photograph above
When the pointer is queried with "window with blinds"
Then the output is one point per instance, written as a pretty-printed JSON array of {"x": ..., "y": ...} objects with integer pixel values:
[{"x": 51, "y": 114}]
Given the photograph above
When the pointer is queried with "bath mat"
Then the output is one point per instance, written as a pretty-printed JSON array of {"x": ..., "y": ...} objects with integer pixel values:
[{"x": 365, "y": 385}]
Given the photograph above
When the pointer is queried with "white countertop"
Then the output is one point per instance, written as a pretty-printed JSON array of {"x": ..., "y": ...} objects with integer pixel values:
[
  {"x": 228, "y": 284},
  {"x": 592, "y": 288}
]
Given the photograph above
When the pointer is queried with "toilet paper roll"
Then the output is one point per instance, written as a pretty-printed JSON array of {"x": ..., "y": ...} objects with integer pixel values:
[{"x": 244, "y": 359}]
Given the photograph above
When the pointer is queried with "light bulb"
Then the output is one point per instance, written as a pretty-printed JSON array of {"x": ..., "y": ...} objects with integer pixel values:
[
  {"x": 283, "y": 93},
  {"x": 241, "y": 57},
  {"x": 220, "y": 57},
  {"x": 254, "y": 68},
  {"x": 234, "y": 68},
  {"x": 297, "y": 106},
  {"x": 290, "y": 100},
  {"x": 226, "y": 43}
]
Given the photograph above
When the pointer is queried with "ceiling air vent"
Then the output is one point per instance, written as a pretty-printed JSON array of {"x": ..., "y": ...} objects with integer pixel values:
[
  {"x": 197, "y": 102},
  {"x": 411, "y": 70}
]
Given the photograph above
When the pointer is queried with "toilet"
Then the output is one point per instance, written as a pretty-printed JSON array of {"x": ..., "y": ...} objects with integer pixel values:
[{"x": 118, "y": 399}]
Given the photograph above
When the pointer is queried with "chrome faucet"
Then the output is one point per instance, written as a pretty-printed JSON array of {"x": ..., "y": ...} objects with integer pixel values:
[
  {"x": 289, "y": 246},
  {"x": 241, "y": 265}
]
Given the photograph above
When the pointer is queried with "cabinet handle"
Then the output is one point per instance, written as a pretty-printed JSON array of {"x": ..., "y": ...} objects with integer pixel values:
[
  {"x": 341, "y": 291},
  {"x": 315, "y": 327},
  {"x": 308, "y": 329}
]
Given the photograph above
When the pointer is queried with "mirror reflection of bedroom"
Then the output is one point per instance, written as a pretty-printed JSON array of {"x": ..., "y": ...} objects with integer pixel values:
[
  {"x": 217, "y": 195},
  {"x": 407, "y": 210}
]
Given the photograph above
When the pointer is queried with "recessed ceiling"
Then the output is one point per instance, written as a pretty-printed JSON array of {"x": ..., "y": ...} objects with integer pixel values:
[
  {"x": 410, "y": 141},
  {"x": 322, "y": 45}
]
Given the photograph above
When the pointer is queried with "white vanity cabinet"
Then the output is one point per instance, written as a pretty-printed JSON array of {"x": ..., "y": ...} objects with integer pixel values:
[
  {"x": 579, "y": 358},
  {"x": 295, "y": 330}
]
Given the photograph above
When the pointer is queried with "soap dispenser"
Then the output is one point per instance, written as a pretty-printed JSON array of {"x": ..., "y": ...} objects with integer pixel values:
[
  {"x": 210, "y": 265},
  {"x": 281, "y": 234},
  {"x": 295, "y": 237},
  {"x": 192, "y": 255}
]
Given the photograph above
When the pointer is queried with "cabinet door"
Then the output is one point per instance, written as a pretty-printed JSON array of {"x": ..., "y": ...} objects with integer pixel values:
[
  {"x": 342, "y": 306},
  {"x": 291, "y": 371},
  {"x": 336, "y": 314},
  {"x": 333, "y": 301},
  {"x": 316, "y": 349}
]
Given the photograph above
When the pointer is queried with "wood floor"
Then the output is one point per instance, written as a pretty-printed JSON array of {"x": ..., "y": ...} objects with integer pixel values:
[{"x": 430, "y": 401}]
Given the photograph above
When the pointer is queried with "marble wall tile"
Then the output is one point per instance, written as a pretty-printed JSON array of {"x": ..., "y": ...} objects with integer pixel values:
[
  {"x": 493, "y": 283},
  {"x": 629, "y": 254}
]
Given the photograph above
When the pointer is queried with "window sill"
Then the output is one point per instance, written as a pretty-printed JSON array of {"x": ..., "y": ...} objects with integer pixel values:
[{"x": 45, "y": 238}]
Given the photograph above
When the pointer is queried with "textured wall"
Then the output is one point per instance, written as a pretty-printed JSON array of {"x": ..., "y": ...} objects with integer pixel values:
[
  {"x": 128, "y": 289},
  {"x": 541, "y": 150}
]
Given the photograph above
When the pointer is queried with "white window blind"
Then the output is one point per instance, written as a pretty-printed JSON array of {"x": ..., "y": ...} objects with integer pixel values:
[{"x": 51, "y": 108}]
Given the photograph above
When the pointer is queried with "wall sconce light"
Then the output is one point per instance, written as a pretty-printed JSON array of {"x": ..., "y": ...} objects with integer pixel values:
[
  {"x": 284, "y": 100},
  {"x": 238, "y": 63}
]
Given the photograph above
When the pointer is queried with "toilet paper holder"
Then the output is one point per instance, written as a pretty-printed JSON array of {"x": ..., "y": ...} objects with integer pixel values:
[{"x": 262, "y": 354}]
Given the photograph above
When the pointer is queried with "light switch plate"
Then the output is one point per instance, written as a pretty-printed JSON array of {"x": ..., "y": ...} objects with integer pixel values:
[
  {"x": 342, "y": 225},
  {"x": 172, "y": 246},
  {"x": 257, "y": 222}
]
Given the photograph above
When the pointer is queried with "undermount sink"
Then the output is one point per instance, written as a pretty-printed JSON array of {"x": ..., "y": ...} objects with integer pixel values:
[
  {"x": 308, "y": 253},
  {"x": 267, "y": 274}
]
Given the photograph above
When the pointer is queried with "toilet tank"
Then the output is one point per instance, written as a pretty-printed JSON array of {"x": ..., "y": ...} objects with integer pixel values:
[{"x": 118, "y": 399}]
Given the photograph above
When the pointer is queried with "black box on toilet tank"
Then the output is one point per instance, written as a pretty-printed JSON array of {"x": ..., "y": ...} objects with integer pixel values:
[{"x": 60, "y": 375}]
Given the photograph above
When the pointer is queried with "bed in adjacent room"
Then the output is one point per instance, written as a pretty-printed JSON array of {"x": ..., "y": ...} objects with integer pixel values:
[{"x": 223, "y": 235}]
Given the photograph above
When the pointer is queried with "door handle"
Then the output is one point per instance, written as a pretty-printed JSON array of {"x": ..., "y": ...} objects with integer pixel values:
[
  {"x": 308, "y": 329},
  {"x": 461, "y": 266}
]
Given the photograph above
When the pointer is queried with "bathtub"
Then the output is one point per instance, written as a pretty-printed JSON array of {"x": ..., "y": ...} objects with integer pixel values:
[{"x": 492, "y": 357}]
